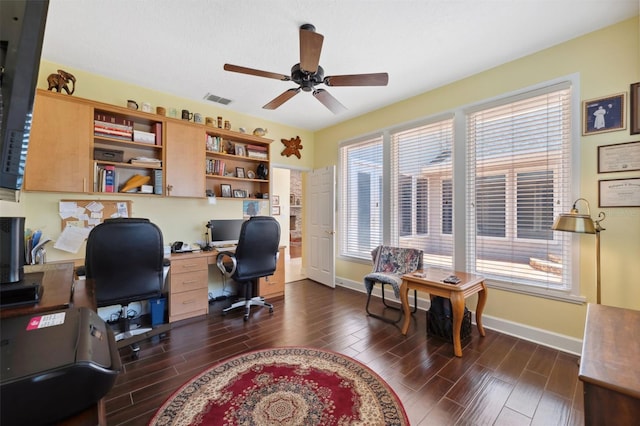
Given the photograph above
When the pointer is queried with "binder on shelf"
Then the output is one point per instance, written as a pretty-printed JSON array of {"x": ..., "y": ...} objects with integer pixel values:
[
  {"x": 157, "y": 182},
  {"x": 109, "y": 178},
  {"x": 157, "y": 129}
]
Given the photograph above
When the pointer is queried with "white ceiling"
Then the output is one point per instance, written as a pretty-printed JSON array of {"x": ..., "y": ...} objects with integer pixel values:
[{"x": 180, "y": 47}]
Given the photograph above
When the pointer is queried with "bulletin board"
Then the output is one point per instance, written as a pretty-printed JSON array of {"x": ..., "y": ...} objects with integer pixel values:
[{"x": 89, "y": 213}]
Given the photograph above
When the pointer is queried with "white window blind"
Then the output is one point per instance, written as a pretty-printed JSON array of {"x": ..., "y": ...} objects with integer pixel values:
[
  {"x": 361, "y": 197},
  {"x": 518, "y": 180},
  {"x": 421, "y": 166}
]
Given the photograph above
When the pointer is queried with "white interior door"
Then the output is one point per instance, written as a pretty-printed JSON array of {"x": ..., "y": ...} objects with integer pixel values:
[{"x": 320, "y": 214}]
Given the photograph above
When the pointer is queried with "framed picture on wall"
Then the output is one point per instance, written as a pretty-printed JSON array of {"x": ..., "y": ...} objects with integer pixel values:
[
  {"x": 275, "y": 200},
  {"x": 604, "y": 114},
  {"x": 635, "y": 109}
]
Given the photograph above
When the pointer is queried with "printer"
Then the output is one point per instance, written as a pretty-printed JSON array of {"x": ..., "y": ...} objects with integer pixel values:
[{"x": 54, "y": 364}]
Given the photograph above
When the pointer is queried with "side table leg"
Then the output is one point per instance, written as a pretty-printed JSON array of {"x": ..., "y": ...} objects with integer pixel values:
[
  {"x": 457, "y": 307},
  {"x": 404, "y": 299},
  {"x": 482, "y": 299}
]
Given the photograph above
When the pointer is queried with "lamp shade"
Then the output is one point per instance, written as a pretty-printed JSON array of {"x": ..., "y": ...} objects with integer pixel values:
[{"x": 573, "y": 222}]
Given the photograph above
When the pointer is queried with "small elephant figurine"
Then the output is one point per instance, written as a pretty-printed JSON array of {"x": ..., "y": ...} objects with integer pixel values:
[{"x": 60, "y": 82}]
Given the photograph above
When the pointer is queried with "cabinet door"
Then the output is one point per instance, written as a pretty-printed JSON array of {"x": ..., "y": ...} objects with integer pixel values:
[
  {"x": 59, "y": 154},
  {"x": 185, "y": 160}
]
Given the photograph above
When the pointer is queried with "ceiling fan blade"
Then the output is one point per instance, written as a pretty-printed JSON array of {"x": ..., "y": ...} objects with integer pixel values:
[
  {"x": 259, "y": 73},
  {"x": 329, "y": 101},
  {"x": 282, "y": 98},
  {"x": 377, "y": 79},
  {"x": 310, "y": 48}
]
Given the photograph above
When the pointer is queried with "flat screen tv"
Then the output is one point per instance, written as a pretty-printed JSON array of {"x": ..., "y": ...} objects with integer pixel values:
[{"x": 22, "y": 25}]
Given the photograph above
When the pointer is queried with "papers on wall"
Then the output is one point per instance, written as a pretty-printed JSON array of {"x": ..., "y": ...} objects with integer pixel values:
[{"x": 71, "y": 238}]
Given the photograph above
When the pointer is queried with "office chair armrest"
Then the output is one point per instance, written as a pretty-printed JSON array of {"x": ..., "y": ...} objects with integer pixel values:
[{"x": 220, "y": 262}]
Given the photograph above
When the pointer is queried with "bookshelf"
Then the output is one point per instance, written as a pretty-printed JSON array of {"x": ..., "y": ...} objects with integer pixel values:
[
  {"x": 127, "y": 149},
  {"x": 227, "y": 152}
]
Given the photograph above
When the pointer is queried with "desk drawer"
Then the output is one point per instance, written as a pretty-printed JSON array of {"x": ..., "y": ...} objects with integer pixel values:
[
  {"x": 188, "y": 304},
  {"x": 188, "y": 265},
  {"x": 189, "y": 281}
]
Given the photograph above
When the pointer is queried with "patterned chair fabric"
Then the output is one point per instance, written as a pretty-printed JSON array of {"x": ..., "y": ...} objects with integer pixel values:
[{"x": 389, "y": 264}]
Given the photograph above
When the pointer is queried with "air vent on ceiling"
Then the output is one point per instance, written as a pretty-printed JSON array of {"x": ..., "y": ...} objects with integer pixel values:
[{"x": 217, "y": 99}]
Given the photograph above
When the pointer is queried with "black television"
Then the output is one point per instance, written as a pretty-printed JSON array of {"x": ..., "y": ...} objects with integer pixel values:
[{"x": 22, "y": 26}]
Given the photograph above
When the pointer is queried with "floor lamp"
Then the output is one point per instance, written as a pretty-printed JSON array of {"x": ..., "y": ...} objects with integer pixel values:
[{"x": 582, "y": 223}]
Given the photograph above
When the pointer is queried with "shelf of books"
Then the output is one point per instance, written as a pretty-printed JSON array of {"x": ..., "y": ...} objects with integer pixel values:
[
  {"x": 127, "y": 153},
  {"x": 235, "y": 163}
]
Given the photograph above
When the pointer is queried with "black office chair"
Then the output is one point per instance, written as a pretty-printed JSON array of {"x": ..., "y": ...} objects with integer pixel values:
[
  {"x": 255, "y": 257},
  {"x": 125, "y": 259}
]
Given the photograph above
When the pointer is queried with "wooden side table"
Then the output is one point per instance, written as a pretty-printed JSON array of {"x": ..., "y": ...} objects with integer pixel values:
[{"x": 432, "y": 283}]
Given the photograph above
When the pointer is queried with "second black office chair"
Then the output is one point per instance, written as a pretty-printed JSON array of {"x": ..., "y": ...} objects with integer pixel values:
[{"x": 255, "y": 257}]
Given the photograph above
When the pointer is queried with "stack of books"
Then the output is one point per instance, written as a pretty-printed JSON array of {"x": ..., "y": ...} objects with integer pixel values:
[
  {"x": 257, "y": 151},
  {"x": 215, "y": 167},
  {"x": 146, "y": 162},
  {"x": 112, "y": 127},
  {"x": 106, "y": 179},
  {"x": 214, "y": 143}
]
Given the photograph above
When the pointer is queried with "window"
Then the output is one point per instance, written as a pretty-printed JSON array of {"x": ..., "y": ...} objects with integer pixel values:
[
  {"x": 361, "y": 197},
  {"x": 512, "y": 176},
  {"x": 518, "y": 157}
]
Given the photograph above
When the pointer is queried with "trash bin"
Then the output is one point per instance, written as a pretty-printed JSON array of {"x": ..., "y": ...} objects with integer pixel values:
[{"x": 157, "y": 311}]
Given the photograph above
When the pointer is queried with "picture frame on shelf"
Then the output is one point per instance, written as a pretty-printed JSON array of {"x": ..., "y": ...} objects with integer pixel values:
[
  {"x": 605, "y": 114},
  {"x": 275, "y": 210},
  {"x": 225, "y": 190},
  {"x": 275, "y": 200},
  {"x": 239, "y": 193},
  {"x": 240, "y": 150},
  {"x": 634, "y": 108},
  {"x": 240, "y": 172},
  {"x": 620, "y": 157}
]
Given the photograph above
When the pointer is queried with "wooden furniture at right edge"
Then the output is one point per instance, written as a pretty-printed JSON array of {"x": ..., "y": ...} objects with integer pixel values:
[{"x": 610, "y": 367}]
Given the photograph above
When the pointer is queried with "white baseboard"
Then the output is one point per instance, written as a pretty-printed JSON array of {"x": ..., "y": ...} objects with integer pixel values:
[{"x": 521, "y": 331}]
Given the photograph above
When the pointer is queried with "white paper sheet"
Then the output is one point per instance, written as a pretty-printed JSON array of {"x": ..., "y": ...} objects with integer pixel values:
[{"x": 71, "y": 239}]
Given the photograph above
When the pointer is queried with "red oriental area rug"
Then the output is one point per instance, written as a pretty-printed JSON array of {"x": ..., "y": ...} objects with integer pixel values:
[{"x": 284, "y": 386}]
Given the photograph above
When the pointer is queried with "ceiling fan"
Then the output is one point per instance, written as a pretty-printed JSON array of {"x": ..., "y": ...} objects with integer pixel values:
[{"x": 308, "y": 74}]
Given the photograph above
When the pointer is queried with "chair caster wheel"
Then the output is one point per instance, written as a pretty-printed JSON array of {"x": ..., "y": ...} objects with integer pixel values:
[
  {"x": 270, "y": 310},
  {"x": 246, "y": 317}
]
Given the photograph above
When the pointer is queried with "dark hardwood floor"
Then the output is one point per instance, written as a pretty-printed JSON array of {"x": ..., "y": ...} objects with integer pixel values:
[{"x": 500, "y": 380}]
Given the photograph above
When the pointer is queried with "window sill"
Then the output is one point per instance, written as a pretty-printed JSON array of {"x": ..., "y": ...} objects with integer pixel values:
[{"x": 545, "y": 293}]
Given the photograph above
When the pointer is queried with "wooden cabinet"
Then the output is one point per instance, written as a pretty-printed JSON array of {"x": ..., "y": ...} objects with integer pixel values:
[
  {"x": 59, "y": 154},
  {"x": 226, "y": 153},
  {"x": 609, "y": 366},
  {"x": 185, "y": 158},
  {"x": 188, "y": 286},
  {"x": 273, "y": 285}
]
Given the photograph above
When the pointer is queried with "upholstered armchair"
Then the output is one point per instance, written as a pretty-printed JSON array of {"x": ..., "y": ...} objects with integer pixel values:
[{"x": 389, "y": 264}]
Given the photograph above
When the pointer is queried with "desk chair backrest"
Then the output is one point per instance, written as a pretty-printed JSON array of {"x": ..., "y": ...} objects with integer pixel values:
[
  {"x": 125, "y": 259},
  {"x": 257, "y": 251}
]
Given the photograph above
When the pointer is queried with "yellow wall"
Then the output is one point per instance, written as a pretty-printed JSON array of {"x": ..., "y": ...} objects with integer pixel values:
[{"x": 608, "y": 61}]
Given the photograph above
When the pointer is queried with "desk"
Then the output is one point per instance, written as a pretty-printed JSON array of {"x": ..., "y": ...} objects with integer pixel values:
[
  {"x": 57, "y": 291},
  {"x": 432, "y": 283},
  {"x": 609, "y": 366},
  {"x": 189, "y": 283}
]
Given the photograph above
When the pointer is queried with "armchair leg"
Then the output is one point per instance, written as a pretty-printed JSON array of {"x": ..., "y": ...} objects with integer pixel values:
[{"x": 389, "y": 320}]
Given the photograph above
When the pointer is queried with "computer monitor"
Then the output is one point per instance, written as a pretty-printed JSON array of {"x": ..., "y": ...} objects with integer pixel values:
[{"x": 225, "y": 231}]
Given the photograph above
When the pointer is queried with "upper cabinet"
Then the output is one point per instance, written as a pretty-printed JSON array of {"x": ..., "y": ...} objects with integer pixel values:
[
  {"x": 185, "y": 156},
  {"x": 78, "y": 145},
  {"x": 59, "y": 154}
]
